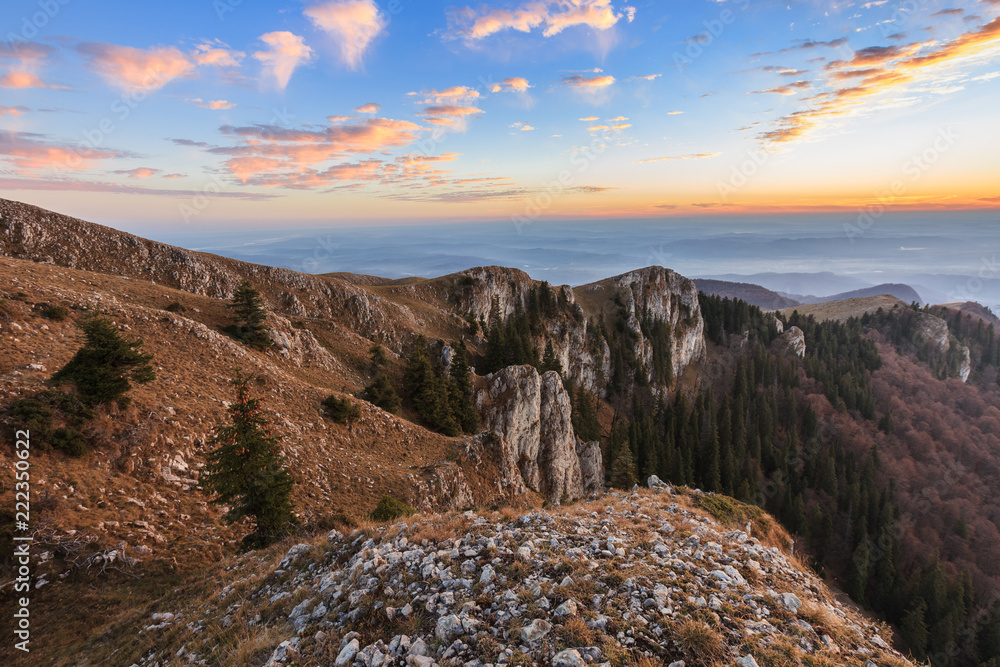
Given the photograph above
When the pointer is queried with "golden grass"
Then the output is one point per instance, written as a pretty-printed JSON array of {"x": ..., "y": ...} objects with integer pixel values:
[{"x": 701, "y": 644}]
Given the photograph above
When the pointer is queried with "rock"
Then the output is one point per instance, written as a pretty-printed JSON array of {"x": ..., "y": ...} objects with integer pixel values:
[
  {"x": 677, "y": 663},
  {"x": 793, "y": 340},
  {"x": 293, "y": 555},
  {"x": 162, "y": 617},
  {"x": 448, "y": 628},
  {"x": 488, "y": 574},
  {"x": 566, "y": 609},
  {"x": 790, "y": 601},
  {"x": 591, "y": 466},
  {"x": 535, "y": 630},
  {"x": 346, "y": 655},
  {"x": 530, "y": 416},
  {"x": 419, "y": 647},
  {"x": 746, "y": 661},
  {"x": 655, "y": 482},
  {"x": 419, "y": 661},
  {"x": 568, "y": 658}
]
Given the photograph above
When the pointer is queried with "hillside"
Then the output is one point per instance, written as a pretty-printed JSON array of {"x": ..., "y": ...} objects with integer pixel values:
[
  {"x": 755, "y": 295},
  {"x": 904, "y": 293},
  {"x": 575, "y": 389},
  {"x": 842, "y": 311}
]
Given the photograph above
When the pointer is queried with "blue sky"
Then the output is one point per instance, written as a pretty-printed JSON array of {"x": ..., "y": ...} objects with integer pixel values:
[{"x": 220, "y": 113}]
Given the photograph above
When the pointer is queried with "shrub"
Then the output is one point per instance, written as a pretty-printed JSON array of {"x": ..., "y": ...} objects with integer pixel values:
[
  {"x": 70, "y": 440},
  {"x": 175, "y": 307},
  {"x": 56, "y": 313},
  {"x": 381, "y": 393},
  {"x": 340, "y": 410},
  {"x": 701, "y": 644},
  {"x": 390, "y": 509},
  {"x": 32, "y": 414}
]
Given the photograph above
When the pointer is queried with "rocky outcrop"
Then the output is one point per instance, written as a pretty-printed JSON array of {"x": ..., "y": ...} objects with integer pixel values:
[
  {"x": 793, "y": 341},
  {"x": 591, "y": 466},
  {"x": 484, "y": 287},
  {"x": 529, "y": 417},
  {"x": 934, "y": 330},
  {"x": 443, "y": 592}
]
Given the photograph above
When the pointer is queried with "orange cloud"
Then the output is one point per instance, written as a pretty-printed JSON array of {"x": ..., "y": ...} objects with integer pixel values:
[
  {"x": 129, "y": 68},
  {"x": 588, "y": 82},
  {"x": 895, "y": 69},
  {"x": 371, "y": 107},
  {"x": 692, "y": 156},
  {"x": 31, "y": 152},
  {"x": 215, "y": 105},
  {"x": 284, "y": 54},
  {"x": 353, "y": 25},
  {"x": 552, "y": 16},
  {"x": 21, "y": 80},
  {"x": 787, "y": 89},
  {"x": 448, "y": 95},
  {"x": 23, "y": 58},
  {"x": 514, "y": 84},
  {"x": 13, "y": 111}
]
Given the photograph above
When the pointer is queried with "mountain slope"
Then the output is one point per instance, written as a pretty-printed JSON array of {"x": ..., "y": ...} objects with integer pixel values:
[{"x": 755, "y": 295}]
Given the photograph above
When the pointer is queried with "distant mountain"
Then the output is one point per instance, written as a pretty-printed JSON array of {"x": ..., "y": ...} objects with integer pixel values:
[
  {"x": 821, "y": 284},
  {"x": 900, "y": 291},
  {"x": 756, "y": 295}
]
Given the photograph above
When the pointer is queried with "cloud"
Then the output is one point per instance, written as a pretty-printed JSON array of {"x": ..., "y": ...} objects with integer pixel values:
[
  {"x": 77, "y": 185},
  {"x": 140, "y": 172},
  {"x": 13, "y": 111},
  {"x": 450, "y": 115},
  {"x": 645, "y": 77},
  {"x": 591, "y": 189},
  {"x": 128, "y": 68},
  {"x": 189, "y": 142},
  {"x": 885, "y": 69},
  {"x": 598, "y": 128},
  {"x": 948, "y": 12},
  {"x": 29, "y": 151},
  {"x": 520, "y": 126},
  {"x": 808, "y": 44},
  {"x": 621, "y": 126},
  {"x": 217, "y": 54},
  {"x": 691, "y": 156},
  {"x": 370, "y": 107},
  {"x": 215, "y": 105},
  {"x": 552, "y": 16},
  {"x": 22, "y": 58},
  {"x": 514, "y": 84},
  {"x": 21, "y": 80},
  {"x": 589, "y": 119},
  {"x": 301, "y": 157},
  {"x": 676, "y": 113},
  {"x": 788, "y": 89},
  {"x": 588, "y": 82},
  {"x": 285, "y": 52},
  {"x": 452, "y": 95},
  {"x": 353, "y": 25}
]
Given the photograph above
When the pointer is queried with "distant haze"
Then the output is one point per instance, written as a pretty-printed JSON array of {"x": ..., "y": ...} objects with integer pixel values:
[{"x": 944, "y": 257}]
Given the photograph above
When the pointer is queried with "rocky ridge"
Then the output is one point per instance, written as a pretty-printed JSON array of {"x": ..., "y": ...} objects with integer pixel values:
[{"x": 646, "y": 574}]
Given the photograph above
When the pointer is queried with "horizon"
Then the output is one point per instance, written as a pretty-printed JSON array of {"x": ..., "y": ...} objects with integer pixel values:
[{"x": 223, "y": 116}]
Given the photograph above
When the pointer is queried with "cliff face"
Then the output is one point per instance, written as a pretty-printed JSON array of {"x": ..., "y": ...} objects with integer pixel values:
[
  {"x": 529, "y": 417},
  {"x": 935, "y": 330}
]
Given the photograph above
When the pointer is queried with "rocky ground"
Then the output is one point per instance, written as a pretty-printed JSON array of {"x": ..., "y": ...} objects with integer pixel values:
[{"x": 656, "y": 576}]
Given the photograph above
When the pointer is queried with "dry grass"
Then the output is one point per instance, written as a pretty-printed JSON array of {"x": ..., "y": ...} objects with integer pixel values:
[
  {"x": 574, "y": 632},
  {"x": 701, "y": 644}
]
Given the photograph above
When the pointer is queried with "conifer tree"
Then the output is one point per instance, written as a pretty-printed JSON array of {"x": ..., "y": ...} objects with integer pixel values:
[
  {"x": 250, "y": 315},
  {"x": 463, "y": 405},
  {"x": 381, "y": 393},
  {"x": 623, "y": 470},
  {"x": 105, "y": 367},
  {"x": 584, "y": 415},
  {"x": 429, "y": 391},
  {"x": 550, "y": 362},
  {"x": 246, "y": 471}
]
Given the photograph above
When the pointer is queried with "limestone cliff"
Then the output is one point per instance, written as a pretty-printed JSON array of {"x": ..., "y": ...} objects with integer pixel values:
[{"x": 528, "y": 416}]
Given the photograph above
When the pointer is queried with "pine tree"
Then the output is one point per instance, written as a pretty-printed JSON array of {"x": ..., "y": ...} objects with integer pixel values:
[
  {"x": 623, "y": 470},
  {"x": 463, "y": 405},
  {"x": 250, "y": 315},
  {"x": 584, "y": 415},
  {"x": 105, "y": 367},
  {"x": 381, "y": 393},
  {"x": 914, "y": 630},
  {"x": 550, "y": 362},
  {"x": 246, "y": 471},
  {"x": 429, "y": 391},
  {"x": 379, "y": 357}
]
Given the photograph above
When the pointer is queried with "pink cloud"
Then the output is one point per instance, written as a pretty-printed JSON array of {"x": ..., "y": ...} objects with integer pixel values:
[
  {"x": 451, "y": 95},
  {"x": 13, "y": 111},
  {"x": 371, "y": 107},
  {"x": 215, "y": 105},
  {"x": 587, "y": 82},
  {"x": 217, "y": 54},
  {"x": 130, "y": 68},
  {"x": 20, "y": 79},
  {"x": 31, "y": 152},
  {"x": 285, "y": 53},
  {"x": 140, "y": 172},
  {"x": 553, "y": 16},
  {"x": 352, "y": 24}
]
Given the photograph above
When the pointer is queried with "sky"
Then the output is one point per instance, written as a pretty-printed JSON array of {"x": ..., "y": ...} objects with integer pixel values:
[{"x": 229, "y": 115}]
